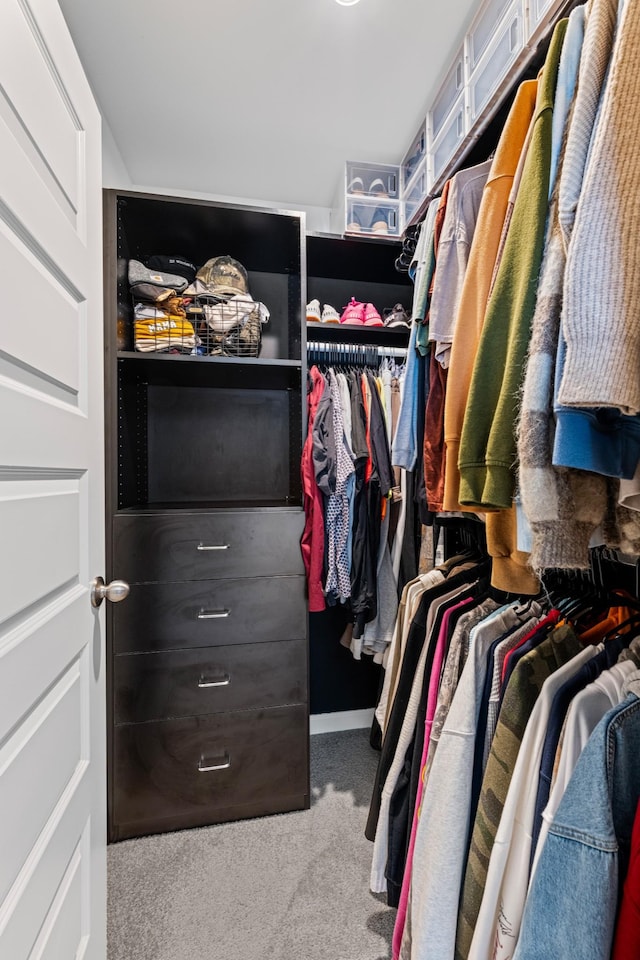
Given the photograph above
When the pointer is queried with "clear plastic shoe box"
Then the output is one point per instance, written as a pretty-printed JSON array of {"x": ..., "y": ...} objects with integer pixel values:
[
  {"x": 383, "y": 199},
  {"x": 413, "y": 159},
  {"x": 415, "y": 194},
  {"x": 375, "y": 217},
  {"x": 368, "y": 200},
  {"x": 372, "y": 180}
]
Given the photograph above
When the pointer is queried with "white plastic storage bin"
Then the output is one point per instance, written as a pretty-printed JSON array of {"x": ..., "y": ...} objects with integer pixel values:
[
  {"x": 413, "y": 159},
  {"x": 542, "y": 13},
  {"x": 451, "y": 136},
  {"x": 372, "y": 217},
  {"x": 448, "y": 95},
  {"x": 484, "y": 27},
  {"x": 501, "y": 54},
  {"x": 415, "y": 194},
  {"x": 378, "y": 180}
]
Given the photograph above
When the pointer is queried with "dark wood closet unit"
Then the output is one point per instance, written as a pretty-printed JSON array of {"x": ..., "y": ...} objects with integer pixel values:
[
  {"x": 337, "y": 269},
  {"x": 207, "y": 657}
]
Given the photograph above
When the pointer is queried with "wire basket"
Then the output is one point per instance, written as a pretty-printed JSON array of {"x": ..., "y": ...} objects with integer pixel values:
[
  {"x": 209, "y": 326},
  {"x": 231, "y": 328}
]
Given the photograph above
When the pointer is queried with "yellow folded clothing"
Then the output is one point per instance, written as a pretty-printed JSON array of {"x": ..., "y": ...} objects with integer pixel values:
[{"x": 154, "y": 333}]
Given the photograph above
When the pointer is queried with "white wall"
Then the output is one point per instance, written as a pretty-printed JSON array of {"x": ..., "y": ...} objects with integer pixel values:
[
  {"x": 114, "y": 170},
  {"x": 116, "y": 176}
]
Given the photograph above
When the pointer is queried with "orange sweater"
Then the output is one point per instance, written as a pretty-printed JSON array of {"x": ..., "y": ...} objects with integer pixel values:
[{"x": 477, "y": 282}]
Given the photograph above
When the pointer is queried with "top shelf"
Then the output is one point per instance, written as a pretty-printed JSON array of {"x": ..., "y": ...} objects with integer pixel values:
[
  {"x": 262, "y": 239},
  {"x": 358, "y": 259}
]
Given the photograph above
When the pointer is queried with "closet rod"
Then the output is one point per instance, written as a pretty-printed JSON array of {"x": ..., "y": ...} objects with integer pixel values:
[{"x": 392, "y": 352}]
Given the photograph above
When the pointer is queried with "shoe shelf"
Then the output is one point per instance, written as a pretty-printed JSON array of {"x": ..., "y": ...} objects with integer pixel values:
[
  {"x": 345, "y": 333},
  {"x": 341, "y": 268}
]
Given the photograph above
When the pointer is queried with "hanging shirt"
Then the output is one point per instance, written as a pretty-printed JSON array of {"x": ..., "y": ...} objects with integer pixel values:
[
  {"x": 587, "y": 850},
  {"x": 585, "y": 713},
  {"x": 441, "y": 836},
  {"x": 519, "y": 700},
  {"x": 487, "y": 446},
  {"x": 378, "y": 880},
  {"x": 432, "y": 697},
  {"x": 498, "y": 923},
  {"x": 475, "y": 292},
  {"x": 405, "y": 440},
  {"x": 338, "y": 528},
  {"x": 434, "y": 455},
  {"x": 627, "y": 942},
  {"x": 459, "y": 224},
  {"x": 312, "y": 543}
]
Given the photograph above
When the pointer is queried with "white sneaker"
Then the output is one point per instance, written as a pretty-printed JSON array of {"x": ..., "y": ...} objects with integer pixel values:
[
  {"x": 330, "y": 314},
  {"x": 378, "y": 189},
  {"x": 313, "y": 312}
]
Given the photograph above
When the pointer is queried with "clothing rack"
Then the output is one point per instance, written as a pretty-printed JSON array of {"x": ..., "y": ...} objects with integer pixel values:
[{"x": 351, "y": 354}]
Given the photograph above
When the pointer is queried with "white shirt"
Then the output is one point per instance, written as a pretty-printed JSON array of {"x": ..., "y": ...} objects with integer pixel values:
[
  {"x": 585, "y": 713},
  {"x": 498, "y": 924}
]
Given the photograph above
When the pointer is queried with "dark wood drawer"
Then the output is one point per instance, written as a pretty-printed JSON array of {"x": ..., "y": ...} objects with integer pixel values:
[
  {"x": 181, "y": 773},
  {"x": 192, "y": 683},
  {"x": 218, "y": 612},
  {"x": 204, "y": 546}
]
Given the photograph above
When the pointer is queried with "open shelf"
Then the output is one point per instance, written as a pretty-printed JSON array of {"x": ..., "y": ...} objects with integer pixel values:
[
  {"x": 345, "y": 333},
  {"x": 364, "y": 259},
  {"x": 267, "y": 243},
  {"x": 340, "y": 268},
  {"x": 209, "y": 506},
  {"x": 205, "y": 432},
  {"x": 248, "y": 372},
  {"x": 250, "y": 361}
]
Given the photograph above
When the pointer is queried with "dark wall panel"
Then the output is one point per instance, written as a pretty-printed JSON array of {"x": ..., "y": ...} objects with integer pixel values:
[{"x": 338, "y": 682}]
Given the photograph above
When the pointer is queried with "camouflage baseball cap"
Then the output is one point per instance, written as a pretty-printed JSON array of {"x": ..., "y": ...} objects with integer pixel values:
[{"x": 224, "y": 275}]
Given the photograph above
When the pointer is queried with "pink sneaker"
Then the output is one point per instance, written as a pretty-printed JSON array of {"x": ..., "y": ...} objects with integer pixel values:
[
  {"x": 371, "y": 316},
  {"x": 353, "y": 313}
]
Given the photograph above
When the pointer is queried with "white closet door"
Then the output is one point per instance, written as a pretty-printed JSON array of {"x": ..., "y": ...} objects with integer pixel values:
[{"x": 52, "y": 692}]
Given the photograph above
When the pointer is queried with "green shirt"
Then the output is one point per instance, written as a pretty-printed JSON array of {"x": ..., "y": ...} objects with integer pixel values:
[{"x": 487, "y": 458}]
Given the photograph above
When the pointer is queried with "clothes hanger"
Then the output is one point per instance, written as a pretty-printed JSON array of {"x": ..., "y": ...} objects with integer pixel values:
[{"x": 617, "y": 632}]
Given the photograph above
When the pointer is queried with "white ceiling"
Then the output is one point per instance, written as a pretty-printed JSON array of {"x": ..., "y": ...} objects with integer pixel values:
[{"x": 263, "y": 98}]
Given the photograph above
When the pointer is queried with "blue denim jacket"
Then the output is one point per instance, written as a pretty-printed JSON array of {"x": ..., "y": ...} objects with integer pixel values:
[{"x": 573, "y": 900}]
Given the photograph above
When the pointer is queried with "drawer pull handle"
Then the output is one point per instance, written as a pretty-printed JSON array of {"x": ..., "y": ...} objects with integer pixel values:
[
  {"x": 205, "y": 684},
  {"x": 223, "y": 764},
  {"x": 212, "y": 546},
  {"x": 213, "y": 614}
]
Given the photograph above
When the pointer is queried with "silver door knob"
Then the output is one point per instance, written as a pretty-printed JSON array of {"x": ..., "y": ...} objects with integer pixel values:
[{"x": 115, "y": 591}]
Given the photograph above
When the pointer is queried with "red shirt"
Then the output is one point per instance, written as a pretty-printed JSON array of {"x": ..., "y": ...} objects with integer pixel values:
[{"x": 627, "y": 939}]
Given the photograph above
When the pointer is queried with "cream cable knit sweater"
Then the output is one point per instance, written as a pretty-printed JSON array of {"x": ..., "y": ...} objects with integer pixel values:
[
  {"x": 601, "y": 318},
  {"x": 564, "y": 507}
]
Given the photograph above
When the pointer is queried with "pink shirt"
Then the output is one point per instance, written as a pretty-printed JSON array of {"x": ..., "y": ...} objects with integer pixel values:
[{"x": 312, "y": 542}]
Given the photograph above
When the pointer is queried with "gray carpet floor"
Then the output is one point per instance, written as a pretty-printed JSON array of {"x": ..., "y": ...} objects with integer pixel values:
[{"x": 289, "y": 887}]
